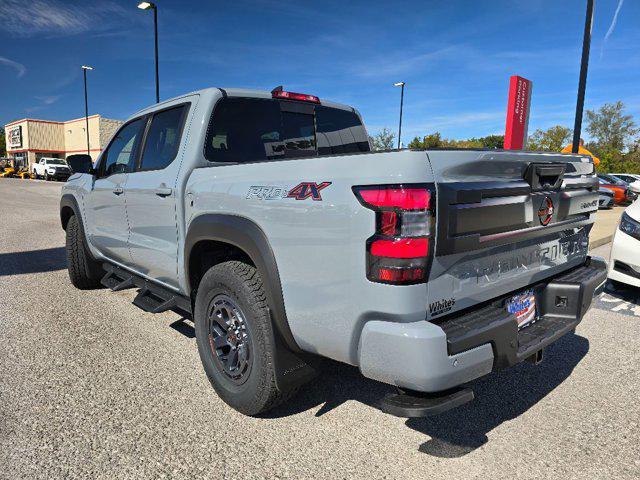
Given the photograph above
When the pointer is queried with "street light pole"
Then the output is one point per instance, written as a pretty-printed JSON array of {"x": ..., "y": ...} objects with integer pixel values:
[
  {"x": 152, "y": 6},
  {"x": 86, "y": 105},
  {"x": 400, "y": 84},
  {"x": 582, "y": 84}
]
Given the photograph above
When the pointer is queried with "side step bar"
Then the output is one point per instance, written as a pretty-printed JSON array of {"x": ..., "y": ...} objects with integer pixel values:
[
  {"x": 408, "y": 404},
  {"x": 116, "y": 279},
  {"x": 151, "y": 297}
]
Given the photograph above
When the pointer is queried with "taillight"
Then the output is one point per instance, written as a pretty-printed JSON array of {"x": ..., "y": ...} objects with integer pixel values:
[
  {"x": 294, "y": 96},
  {"x": 400, "y": 251}
]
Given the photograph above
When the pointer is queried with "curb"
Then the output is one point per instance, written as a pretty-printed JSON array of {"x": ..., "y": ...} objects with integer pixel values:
[{"x": 600, "y": 241}]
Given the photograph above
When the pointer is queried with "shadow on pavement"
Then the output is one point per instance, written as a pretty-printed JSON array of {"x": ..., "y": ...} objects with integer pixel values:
[
  {"x": 619, "y": 291},
  {"x": 34, "y": 261},
  {"x": 500, "y": 397},
  {"x": 186, "y": 329}
]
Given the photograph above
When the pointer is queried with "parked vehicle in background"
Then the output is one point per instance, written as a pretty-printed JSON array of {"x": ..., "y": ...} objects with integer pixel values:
[
  {"x": 612, "y": 179},
  {"x": 624, "y": 262},
  {"x": 51, "y": 168},
  {"x": 627, "y": 177},
  {"x": 632, "y": 180},
  {"x": 13, "y": 169},
  {"x": 605, "y": 201},
  {"x": 266, "y": 217},
  {"x": 621, "y": 193}
]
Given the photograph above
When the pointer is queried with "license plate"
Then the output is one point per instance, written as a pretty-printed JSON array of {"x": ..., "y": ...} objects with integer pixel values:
[{"x": 523, "y": 307}]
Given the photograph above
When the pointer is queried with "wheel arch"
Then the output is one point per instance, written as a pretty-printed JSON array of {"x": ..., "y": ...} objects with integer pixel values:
[
  {"x": 69, "y": 207},
  {"x": 247, "y": 238}
]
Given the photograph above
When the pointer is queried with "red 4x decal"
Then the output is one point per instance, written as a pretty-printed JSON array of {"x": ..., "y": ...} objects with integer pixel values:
[{"x": 304, "y": 190}]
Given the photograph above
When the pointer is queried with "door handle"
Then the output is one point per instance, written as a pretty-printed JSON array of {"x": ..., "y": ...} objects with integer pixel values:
[
  {"x": 163, "y": 191},
  {"x": 118, "y": 191}
]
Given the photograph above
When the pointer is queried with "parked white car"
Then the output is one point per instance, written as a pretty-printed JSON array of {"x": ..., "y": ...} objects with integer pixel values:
[
  {"x": 624, "y": 264},
  {"x": 51, "y": 168},
  {"x": 630, "y": 178}
]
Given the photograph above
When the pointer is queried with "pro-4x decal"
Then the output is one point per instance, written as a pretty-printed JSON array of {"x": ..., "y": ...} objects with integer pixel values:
[{"x": 304, "y": 190}]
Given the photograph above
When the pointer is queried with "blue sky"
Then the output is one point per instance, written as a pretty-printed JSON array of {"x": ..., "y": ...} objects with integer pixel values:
[{"x": 455, "y": 56}]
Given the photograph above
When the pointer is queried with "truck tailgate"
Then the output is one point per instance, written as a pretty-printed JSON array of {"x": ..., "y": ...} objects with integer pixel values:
[{"x": 506, "y": 220}]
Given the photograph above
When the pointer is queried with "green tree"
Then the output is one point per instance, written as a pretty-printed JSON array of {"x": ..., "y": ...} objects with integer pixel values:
[
  {"x": 433, "y": 140},
  {"x": 492, "y": 141},
  {"x": 383, "y": 140},
  {"x": 610, "y": 128},
  {"x": 553, "y": 139},
  {"x": 3, "y": 143}
]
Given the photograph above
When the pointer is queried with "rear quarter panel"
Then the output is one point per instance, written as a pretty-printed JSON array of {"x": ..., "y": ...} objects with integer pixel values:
[{"x": 319, "y": 246}]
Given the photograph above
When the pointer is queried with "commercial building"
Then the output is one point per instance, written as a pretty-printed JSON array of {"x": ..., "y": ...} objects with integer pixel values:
[{"x": 28, "y": 140}]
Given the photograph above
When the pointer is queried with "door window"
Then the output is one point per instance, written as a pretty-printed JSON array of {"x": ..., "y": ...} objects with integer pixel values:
[
  {"x": 163, "y": 139},
  {"x": 244, "y": 130},
  {"x": 121, "y": 153}
]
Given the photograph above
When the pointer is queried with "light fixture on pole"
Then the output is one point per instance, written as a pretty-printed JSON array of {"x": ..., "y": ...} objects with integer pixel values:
[
  {"x": 400, "y": 84},
  {"x": 86, "y": 104},
  {"x": 152, "y": 6}
]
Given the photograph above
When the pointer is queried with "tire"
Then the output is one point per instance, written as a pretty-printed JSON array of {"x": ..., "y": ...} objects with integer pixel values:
[
  {"x": 85, "y": 273},
  {"x": 253, "y": 389},
  {"x": 46, "y": 176}
]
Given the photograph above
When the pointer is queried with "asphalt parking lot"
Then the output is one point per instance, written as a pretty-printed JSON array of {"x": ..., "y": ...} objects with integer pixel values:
[{"x": 92, "y": 387}]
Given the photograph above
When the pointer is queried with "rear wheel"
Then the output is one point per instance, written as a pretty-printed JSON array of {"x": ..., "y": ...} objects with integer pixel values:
[
  {"x": 85, "y": 273},
  {"x": 235, "y": 338}
]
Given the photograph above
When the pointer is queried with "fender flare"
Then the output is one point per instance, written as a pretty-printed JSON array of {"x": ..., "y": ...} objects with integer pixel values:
[
  {"x": 69, "y": 201},
  {"x": 249, "y": 237}
]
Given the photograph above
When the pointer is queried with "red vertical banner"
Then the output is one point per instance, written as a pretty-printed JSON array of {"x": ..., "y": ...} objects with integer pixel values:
[{"x": 515, "y": 136}]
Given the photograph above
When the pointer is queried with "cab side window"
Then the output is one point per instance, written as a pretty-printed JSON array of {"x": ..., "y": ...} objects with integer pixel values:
[
  {"x": 121, "y": 153},
  {"x": 163, "y": 138}
]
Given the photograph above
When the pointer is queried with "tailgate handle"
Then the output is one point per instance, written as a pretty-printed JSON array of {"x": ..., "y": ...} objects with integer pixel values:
[{"x": 545, "y": 176}]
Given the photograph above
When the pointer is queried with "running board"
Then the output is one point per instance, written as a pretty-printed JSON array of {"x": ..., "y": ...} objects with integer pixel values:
[
  {"x": 153, "y": 302},
  {"x": 409, "y": 404},
  {"x": 151, "y": 297},
  {"x": 116, "y": 279}
]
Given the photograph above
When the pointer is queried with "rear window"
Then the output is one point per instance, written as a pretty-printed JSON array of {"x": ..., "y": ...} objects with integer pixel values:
[{"x": 252, "y": 129}]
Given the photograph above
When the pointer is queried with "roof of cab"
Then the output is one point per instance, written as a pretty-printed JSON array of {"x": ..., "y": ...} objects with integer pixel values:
[{"x": 232, "y": 92}]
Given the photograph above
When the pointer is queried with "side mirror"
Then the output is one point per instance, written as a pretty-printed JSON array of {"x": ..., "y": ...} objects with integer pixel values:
[{"x": 81, "y": 163}]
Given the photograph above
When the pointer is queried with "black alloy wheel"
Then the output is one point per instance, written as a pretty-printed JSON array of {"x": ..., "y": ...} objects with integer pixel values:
[{"x": 229, "y": 339}]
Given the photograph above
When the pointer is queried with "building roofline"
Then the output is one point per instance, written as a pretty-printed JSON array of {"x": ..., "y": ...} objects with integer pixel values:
[{"x": 37, "y": 120}]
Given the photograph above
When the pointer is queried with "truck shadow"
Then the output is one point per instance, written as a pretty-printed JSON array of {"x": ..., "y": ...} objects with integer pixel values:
[
  {"x": 500, "y": 396},
  {"x": 33, "y": 261},
  {"x": 616, "y": 293}
]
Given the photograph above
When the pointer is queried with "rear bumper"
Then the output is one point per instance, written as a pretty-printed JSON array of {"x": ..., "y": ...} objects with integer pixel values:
[{"x": 427, "y": 357}]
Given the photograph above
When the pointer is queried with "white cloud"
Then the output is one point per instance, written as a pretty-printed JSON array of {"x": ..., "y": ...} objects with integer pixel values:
[
  {"x": 612, "y": 27},
  {"x": 53, "y": 17},
  {"x": 20, "y": 68},
  {"x": 48, "y": 99},
  {"x": 382, "y": 67}
]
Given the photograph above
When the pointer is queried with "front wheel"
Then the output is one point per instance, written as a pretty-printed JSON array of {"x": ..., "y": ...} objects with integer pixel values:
[
  {"x": 85, "y": 273},
  {"x": 235, "y": 338},
  {"x": 46, "y": 176}
]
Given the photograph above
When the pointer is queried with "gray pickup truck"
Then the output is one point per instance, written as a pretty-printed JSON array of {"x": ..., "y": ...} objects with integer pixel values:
[{"x": 266, "y": 217}]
